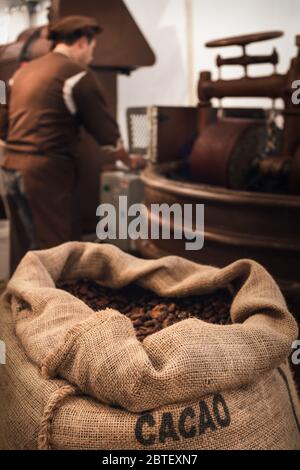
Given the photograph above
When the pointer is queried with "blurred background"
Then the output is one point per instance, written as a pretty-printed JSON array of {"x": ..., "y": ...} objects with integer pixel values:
[{"x": 177, "y": 30}]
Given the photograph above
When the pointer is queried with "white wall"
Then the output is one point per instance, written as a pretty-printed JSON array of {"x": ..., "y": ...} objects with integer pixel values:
[
  {"x": 12, "y": 21},
  {"x": 40, "y": 17},
  {"x": 15, "y": 19},
  {"x": 163, "y": 23}
]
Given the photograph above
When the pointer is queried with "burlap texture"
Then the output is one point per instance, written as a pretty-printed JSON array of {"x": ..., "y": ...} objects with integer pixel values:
[{"x": 232, "y": 379}]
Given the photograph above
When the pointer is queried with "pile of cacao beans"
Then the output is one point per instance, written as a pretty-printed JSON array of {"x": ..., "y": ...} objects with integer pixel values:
[{"x": 148, "y": 312}]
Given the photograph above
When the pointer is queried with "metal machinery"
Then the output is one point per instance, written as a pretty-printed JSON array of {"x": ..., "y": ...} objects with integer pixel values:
[
  {"x": 248, "y": 137},
  {"x": 242, "y": 167}
]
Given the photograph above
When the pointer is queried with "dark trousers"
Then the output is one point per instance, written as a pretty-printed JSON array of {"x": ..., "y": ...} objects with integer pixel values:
[
  {"x": 22, "y": 229},
  {"x": 42, "y": 206}
]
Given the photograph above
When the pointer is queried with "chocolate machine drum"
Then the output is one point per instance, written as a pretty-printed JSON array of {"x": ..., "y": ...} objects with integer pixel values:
[{"x": 226, "y": 150}]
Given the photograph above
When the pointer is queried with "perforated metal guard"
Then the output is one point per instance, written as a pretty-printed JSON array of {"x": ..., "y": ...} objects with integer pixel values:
[{"x": 138, "y": 130}]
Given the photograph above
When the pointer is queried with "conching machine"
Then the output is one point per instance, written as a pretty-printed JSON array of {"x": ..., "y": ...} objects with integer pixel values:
[{"x": 243, "y": 164}]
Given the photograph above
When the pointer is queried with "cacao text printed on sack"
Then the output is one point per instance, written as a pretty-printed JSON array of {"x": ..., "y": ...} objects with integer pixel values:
[{"x": 191, "y": 422}]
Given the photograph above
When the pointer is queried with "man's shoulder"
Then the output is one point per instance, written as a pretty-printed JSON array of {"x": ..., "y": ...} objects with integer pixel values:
[{"x": 53, "y": 63}]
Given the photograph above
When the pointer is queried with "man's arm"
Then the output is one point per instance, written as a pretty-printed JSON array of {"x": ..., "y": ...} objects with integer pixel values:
[{"x": 93, "y": 114}]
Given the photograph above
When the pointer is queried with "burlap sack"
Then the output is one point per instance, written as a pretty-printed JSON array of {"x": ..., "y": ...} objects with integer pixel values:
[{"x": 79, "y": 380}]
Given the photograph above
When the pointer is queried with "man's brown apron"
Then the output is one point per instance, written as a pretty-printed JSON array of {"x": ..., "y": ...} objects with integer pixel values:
[{"x": 49, "y": 185}]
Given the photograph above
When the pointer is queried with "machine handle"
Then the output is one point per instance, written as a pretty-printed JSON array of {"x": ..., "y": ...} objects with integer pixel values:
[
  {"x": 246, "y": 60},
  {"x": 244, "y": 40}
]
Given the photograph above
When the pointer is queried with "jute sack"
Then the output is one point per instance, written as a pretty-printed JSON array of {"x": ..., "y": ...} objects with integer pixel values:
[{"x": 76, "y": 379}]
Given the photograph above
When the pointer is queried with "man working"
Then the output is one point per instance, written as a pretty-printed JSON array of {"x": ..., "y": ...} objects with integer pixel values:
[{"x": 50, "y": 98}]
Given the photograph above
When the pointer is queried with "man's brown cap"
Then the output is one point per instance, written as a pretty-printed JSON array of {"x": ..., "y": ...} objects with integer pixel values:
[{"x": 71, "y": 27}]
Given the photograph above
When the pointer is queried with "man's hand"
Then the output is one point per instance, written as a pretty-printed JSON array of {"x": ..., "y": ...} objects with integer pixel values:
[
  {"x": 137, "y": 162},
  {"x": 133, "y": 162}
]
